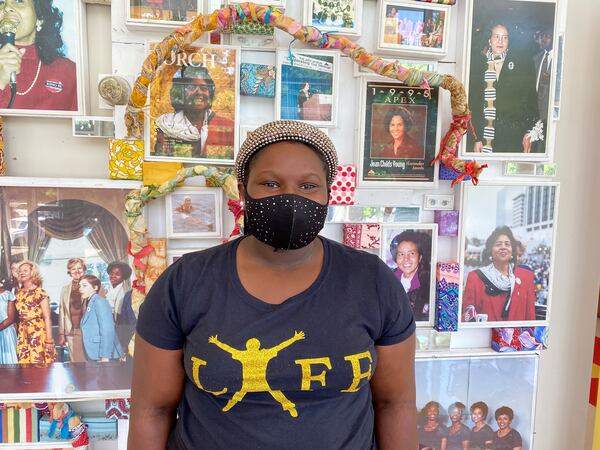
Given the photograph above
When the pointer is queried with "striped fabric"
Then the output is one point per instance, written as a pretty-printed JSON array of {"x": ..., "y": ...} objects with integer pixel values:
[{"x": 19, "y": 425}]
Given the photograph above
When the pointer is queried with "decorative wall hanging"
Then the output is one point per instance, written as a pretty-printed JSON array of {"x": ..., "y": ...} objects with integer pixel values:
[
  {"x": 410, "y": 251},
  {"x": 510, "y": 77},
  {"x": 447, "y": 222},
  {"x": 423, "y": 66},
  {"x": 158, "y": 173},
  {"x": 447, "y": 309},
  {"x": 257, "y": 80},
  {"x": 343, "y": 186},
  {"x": 519, "y": 339},
  {"x": 125, "y": 159},
  {"x": 507, "y": 247},
  {"x": 362, "y": 235},
  {"x": 222, "y": 18},
  {"x": 114, "y": 89}
]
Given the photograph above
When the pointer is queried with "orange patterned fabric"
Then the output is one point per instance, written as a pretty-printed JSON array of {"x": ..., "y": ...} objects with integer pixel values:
[{"x": 31, "y": 336}]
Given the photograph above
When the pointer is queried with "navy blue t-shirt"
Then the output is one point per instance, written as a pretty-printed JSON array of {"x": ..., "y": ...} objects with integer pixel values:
[{"x": 288, "y": 376}]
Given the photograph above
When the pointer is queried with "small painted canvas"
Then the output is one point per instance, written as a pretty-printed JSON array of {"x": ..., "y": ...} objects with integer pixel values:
[
  {"x": 125, "y": 159},
  {"x": 257, "y": 80}
]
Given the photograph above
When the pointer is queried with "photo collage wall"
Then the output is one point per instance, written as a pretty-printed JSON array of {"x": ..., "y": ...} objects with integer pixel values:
[{"x": 389, "y": 198}]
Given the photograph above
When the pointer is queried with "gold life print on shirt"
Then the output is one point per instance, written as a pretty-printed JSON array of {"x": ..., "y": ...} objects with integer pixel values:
[
  {"x": 254, "y": 369},
  {"x": 255, "y": 360}
]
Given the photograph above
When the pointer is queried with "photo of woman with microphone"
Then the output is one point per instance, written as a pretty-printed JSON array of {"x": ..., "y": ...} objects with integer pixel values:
[{"x": 36, "y": 69}]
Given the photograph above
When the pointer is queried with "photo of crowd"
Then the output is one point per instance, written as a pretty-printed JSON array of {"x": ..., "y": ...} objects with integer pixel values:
[
  {"x": 470, "y": 411},
  {"x": 164, "y": 10},
  {"x": 507, "y": 252}
]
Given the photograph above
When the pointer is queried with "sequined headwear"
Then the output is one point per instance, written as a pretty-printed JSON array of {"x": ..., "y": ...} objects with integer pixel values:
[{"x": 286, "y": 130}]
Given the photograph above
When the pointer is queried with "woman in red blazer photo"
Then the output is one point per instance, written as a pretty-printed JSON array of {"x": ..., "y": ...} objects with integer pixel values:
[{"x": 500, "y": 290}]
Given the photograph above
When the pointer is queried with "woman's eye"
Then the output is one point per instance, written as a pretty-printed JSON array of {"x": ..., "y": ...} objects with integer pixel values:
[
  {"x": 270, "y": 184},
  {"x": 307, "y": 186}
]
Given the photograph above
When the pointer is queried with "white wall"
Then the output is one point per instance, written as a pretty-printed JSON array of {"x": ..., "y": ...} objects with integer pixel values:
[{"x": 45, "y": 148}]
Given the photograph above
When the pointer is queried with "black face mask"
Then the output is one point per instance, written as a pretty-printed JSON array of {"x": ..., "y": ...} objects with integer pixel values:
[{"x": 286, "y": 221}]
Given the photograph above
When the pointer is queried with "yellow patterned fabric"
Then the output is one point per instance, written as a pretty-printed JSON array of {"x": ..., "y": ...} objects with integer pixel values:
[
  {"x": 31, "y": 336},
  {"x": 125, "y": 159}
]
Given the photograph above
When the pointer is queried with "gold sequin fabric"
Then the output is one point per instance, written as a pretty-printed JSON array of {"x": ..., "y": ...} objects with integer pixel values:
[{"x": 287, "y": 130}]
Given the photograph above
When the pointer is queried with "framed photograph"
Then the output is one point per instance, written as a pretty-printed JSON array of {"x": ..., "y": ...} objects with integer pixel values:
[
  {"x": 507, "y": 240},
  {"x": 307, "y": 90},
  {"x": 195, "y": 213},
  {"x": 52, "y": 83},
  {"x": 92, "y": 126},
  {"x": 477, "y": 388},
  {"x": 161, "y": 14},
  {"x": 409, "y": 249},
  {"x": 194, "y": 107},
  {"x": 400, "y": 135},
  {"x": 559, "y": 75},
  {"x": 372, "y": 214},
  {"x": 55, "y": 232},
  {"x": 177, "y": 253},
  {"x": 510, "y": 70},
  {"x": 428, "y": 66},
  {"x": 338, "y": 16},
  {"x": 413, "y": 28}
]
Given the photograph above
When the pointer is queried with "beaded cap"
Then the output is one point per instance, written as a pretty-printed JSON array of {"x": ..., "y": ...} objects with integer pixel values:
[{"x": 287, "y": 130}]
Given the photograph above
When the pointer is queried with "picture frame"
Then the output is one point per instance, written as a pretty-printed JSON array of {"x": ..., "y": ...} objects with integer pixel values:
[
  {"x": 413, "y": 28},
  {"x": 176, "y": 253},
  {"x": 415, "y": 245},
  {"x": 55, "y": 222},
  {"x": 307, "y": 91},
  {"x": 510, "y": 97},
  {"x": 55, "y": 87},
  {"x": 211, "y": 134},
  {"x": 93, "y": 126},
  {"x": 194, "y": 212},
  {"x": 441, "y": 381},
  {"x": 372, "y": 214},
  {"x": 340, "y": 16},
  {"x": 148, "y": 14},
  {"x": 382, "y": 163},
  {"x": 257, "y": 80},
  {"x": 507, "y": 224},
  {"x": 428, "y": 66}
]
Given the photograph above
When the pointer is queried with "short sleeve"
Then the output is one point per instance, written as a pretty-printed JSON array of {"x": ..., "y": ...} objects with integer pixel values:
[
  {"x": 159, "y": 316},
  {"x": 397, "y": 321},
  {"x": 517, "y": 441}
]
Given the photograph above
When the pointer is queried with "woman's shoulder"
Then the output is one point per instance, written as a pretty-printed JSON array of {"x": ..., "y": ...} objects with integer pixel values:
[{"x": 523, "y": 273}]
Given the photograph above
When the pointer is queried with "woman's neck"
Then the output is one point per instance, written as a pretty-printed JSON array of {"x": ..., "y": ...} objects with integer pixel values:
[
  {"x": 502, "y": 268},
  {"x": 281, "y": 259},
  {"x": 398, "y": 143},
  {"x": 504, "y": 432},
  {"x": 479, "y": 425},
  {"x": 29, "y": 285}
]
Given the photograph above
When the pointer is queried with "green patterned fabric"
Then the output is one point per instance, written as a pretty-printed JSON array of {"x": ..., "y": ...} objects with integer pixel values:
[{"x": 250, "y": 27}]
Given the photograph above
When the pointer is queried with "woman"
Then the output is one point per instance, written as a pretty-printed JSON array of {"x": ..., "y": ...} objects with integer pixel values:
[
  {"x": 482, "y": 435},
  {"x": 432, "y": 434},
  {"x": 501, "y": 290},
  {"x": 97, "y": 325},
  {"x": 398, "y": 123},
  {"x": 411, "y": 252},
  {"x": 459, "y": 434},
  {"x": 303, "y": 95},
  {"x": 45, "y": 78},
  {"x": 8, "y": 334},
  {"x": 242, "y": 330},
  {"x": 503, "y": 97},
  {"x": 506, "y": 438},
  {"x": 35, "y": 343},
  {"x": 390, "y": 33}
]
